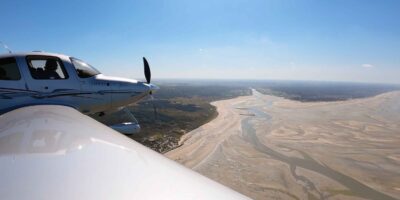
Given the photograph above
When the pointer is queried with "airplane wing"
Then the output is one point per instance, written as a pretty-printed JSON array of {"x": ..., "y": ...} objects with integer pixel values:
[{"x": 55, "y": 152}]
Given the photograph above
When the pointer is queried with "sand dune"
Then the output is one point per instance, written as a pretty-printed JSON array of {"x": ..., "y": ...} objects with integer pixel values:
[{"x": 269, "y": 147}]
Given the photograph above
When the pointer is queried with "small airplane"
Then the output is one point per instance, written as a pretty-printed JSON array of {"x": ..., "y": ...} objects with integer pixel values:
[
  {"x": 37, "y": 78},
  {"x": 50, "y": 150}
]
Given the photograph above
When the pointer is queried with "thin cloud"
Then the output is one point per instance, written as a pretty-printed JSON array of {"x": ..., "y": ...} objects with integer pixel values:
[{"x": 367, "y": 65}]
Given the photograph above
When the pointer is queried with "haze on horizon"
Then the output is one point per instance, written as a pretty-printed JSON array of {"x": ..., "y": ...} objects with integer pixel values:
[{"x": 229, "y": 39}]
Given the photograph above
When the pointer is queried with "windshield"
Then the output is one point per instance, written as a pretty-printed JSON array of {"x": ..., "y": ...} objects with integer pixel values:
[{"x": 83, "y": 69}]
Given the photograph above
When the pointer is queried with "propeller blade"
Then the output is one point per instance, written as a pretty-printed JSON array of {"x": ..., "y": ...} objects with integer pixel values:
[{"x": 147, "y": 72}]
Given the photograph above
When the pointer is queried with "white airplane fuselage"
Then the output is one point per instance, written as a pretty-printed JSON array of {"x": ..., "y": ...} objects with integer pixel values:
[{"x": 88, "y": 95}]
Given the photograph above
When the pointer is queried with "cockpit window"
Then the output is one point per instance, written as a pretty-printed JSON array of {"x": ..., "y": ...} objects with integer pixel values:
[
  {"x": 46, "y": 68},
  {"x": 9, "y": 69},
  {"x": 83, "y": 69}
]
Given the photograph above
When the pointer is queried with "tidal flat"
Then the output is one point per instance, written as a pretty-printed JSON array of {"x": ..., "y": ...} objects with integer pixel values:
[{"x": 268, "y": 147}]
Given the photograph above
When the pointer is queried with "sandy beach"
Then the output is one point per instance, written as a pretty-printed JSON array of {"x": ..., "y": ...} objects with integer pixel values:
[{"x": 268, "y": 147}]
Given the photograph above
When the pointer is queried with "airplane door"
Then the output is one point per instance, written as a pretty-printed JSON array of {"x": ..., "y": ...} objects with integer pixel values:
[
  {"x": 49, "y": 76},
  {"x": 12, "y": 84},
  {"x": 10, "y": 75}
]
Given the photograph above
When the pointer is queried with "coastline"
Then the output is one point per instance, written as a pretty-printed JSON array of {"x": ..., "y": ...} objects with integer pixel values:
[
  {"x": 195, "y": 137},
  {"x": 232, "y": 147}
]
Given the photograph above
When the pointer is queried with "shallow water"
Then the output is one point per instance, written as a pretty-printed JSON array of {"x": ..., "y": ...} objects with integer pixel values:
[{"x": 355, "y": 187}]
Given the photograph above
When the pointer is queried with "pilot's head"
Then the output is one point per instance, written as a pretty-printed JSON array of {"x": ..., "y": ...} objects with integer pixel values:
[
  {"x": 3, "y": 73},
  {"x": 51, "y": 65}
]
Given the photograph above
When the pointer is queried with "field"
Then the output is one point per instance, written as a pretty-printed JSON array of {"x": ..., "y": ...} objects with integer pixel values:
[{"x": 312, "y": 91}]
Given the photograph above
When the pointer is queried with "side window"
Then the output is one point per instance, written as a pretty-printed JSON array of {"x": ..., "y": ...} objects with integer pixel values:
[
  {"x": 47, "y": 68},
  {"x": 9, "y": 69}
]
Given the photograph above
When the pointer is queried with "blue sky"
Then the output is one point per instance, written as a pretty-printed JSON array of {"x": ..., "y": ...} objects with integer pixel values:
[{"x": 343, "y": 40}]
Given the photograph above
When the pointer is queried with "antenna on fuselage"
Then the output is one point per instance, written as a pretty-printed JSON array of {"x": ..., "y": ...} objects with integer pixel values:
[{"x": 6, "y": 47}]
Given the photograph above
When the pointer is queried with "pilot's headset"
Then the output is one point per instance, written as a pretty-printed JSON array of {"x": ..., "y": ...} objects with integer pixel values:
[
  {"x": 3, "y": 74},
  {"x": 51, "y": 65}
]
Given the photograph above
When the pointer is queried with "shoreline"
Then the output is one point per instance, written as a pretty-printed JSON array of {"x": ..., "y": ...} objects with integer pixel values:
[{"x": 227, "y": 152}]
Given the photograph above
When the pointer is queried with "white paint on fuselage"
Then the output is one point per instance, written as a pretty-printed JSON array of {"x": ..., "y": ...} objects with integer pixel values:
[{"x": 116, "y": 79}]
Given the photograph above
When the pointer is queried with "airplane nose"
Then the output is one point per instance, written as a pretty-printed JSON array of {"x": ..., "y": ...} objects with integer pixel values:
[
  {"x": 151, "y": 87},
  {"x": 154, "y": 87}
]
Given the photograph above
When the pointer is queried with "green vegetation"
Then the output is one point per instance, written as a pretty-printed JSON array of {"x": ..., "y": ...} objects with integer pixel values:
[
  {"x": 307, "y": 91},
  {"x": 174, "y": 117}
]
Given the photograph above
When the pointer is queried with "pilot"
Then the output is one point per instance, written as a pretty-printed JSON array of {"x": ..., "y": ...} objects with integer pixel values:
[
  {"x": 3, "y": 74},
  {"x": 50, "y": 69}
]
